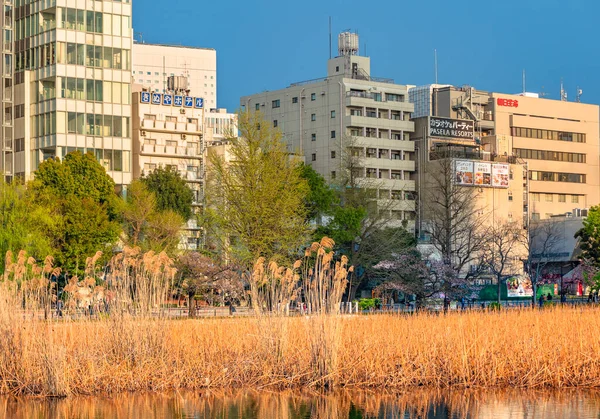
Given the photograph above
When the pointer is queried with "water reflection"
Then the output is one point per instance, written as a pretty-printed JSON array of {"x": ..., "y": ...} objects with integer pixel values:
[{"x": 345, "y": 404}]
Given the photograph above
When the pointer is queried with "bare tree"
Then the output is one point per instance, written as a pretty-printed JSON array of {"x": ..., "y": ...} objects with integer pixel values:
[
  {"x": 541, "y": 240},
  {"x": 503, "y": 248},
  {"x": 452, "y": 219},
  {"x": 363, "y": 224}
]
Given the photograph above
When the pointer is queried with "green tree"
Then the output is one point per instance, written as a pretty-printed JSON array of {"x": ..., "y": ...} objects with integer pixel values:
[
  {"x": 81, "y": 195},
  {"x": 23, "y": 223},
  {"x": 589, "y": 237},
  {"x": 170, "y": 190},
  {"x": 146, "y": 226},
  {"x": 321, "y": 197},
  {"x": 258, "y": 195}
]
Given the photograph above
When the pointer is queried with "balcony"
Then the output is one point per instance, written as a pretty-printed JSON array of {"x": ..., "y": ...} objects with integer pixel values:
[
  {"x": 170, "y": 151},
  {"x": 385, "y": 123},
  {"x": 368, "y": 99}
]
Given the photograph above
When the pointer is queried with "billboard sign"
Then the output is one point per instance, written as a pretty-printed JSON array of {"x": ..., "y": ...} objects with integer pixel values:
[
  {"x": 451, "y": 128},
  {"x": 519, "y": 286},
  {"x": 483, "y": 174},
  {"x": 500, "y": 175},
  {"x": 464, "y": 172}
]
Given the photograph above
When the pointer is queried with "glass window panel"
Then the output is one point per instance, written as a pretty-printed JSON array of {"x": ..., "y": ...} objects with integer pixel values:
[
  {"x": 107, "y": 91},
  {"x": 126, "y": 161},
  {"x": 118, "y": 160},
  {"x": 80, "y": 123},
  {"x": 89, "y": 21},
  {"x": 116, "y": 92},
  {"x": 71, "y": 122},
  {"x": 107, "y": 163},
  {"x": 116, "y": 25},
  {"x": 107, "y": 57},
  {"x": 71, "y": 53},
  {"x": 98, "y": 95},
  {"x": 89, "y": 89},
  {"x": 126, "y": 94},
  {"x": 89, "y": 124},
  {"x": 99, "y": 25},
  {"x": 98, "y": 125},
  {"x": 117, "y": 127},
  {"x": 80, "y": 20}
]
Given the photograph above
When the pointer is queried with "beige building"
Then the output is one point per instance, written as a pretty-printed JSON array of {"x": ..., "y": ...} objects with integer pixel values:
[
  {"x": 558, "y": 141},
  {"x": 167, "y": 133},
  {"x": 321, "y": 118},
  {"x": 154, "y": 64},
  {"x": 66, "y": 77}
]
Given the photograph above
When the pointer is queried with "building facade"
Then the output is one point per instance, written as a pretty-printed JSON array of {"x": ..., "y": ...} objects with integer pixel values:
[
  {"x": 67, "y": 84},
  {"x": 557, "y": 141},
  {"x": 154, "y": 64},
  {"x": 321, "y": 119}
]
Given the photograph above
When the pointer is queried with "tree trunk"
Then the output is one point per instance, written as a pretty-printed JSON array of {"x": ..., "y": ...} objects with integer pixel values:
[
  {"x": 191, "y": 308},
  {"x": 499, "y": 289}
]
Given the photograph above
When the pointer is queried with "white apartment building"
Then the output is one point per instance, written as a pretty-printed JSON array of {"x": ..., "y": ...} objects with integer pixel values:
[
  {"x": 66, "y": 78},
  {"x": 154, "y": 64},
  {"x": 320, "y": 118}
]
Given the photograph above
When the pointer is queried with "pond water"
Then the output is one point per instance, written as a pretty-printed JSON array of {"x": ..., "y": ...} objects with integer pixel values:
[{"x": 346, "y": 404}]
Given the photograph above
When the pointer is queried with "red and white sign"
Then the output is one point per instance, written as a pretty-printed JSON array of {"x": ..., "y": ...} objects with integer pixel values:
[{"x": 509, "y": 103}]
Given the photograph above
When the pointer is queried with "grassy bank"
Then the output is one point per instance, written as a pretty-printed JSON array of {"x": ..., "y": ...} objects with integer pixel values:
[{"x": 557, "y": 347}]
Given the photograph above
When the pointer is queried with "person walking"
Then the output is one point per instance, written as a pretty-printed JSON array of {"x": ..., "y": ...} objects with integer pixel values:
[{"x": 541, "y": 300}]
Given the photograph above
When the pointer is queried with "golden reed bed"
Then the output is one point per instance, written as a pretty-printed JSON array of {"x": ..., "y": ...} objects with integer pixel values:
[{"x": 552, "y": 348}]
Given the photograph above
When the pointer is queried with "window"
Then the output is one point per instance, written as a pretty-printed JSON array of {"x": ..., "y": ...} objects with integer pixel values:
[
  {"x": 332, "y": 134},
  {"x": 557, "y": 177},
  {"x": 333, "y": 154},
  {"x": 562, "y": 198},
  {"x": 549, "y": 197},
  {"x": 150, "y": 117},
  {"x": 276, "y": 103},
  {"x": 274, "y": 123},
  {"x": 333, "y": 114},
  {"x": 313, "y": 97},
  {"x": 313, "y": 117},
  {"x": 295, "y": 99},
  {"x": 170, "y": 118},
  {"x": 333, "y": 174},
  {"x": 535, "y": 197},
  {"x": 548, "y": 134},
  {"x": 313, "y": 157},
  {"x": 510, "y": 195},
  {"x": 257, "y": 107},
  {"x": 575, "y": 199},
  {"x": 550, "y": 155},
  {"x": 535, "y": 216},
  {"x": 337, "y": 68},
  {"x": 313, "y": 137}
]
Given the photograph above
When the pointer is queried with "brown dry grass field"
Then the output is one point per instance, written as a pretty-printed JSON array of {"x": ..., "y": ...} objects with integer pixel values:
[{"x": 551, "y": 348}]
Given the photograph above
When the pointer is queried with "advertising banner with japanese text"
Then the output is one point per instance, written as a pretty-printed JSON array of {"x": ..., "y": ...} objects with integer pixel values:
[
  {"x": 464, "y": 172},
  {"x": 500, "y": 175},
  {"x": 483, "y": 174}
]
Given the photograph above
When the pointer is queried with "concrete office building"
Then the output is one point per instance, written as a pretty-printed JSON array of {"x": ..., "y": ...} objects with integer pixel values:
[
  {"x": 558, "y": 141},
  {"x": 320, "y": 118},
  {"x": 66, "y": 76},
  {"x": 154, "y": 64}
]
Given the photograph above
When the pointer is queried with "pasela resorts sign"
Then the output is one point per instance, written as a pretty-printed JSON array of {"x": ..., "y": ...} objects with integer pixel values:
[{"x": 451, "y": 128}]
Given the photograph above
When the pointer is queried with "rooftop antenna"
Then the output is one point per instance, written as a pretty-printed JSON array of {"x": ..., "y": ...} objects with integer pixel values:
[
  {"x": 435, "y": 65},
  {"x": 330, "y": 37},
  {"x": 579, "y": 93},
  {"x": 524, "y": 89},
  {"x": 542, "y": 93},
  {"x": 140, "y": 35},
  {"x": 563, "y": 93}
]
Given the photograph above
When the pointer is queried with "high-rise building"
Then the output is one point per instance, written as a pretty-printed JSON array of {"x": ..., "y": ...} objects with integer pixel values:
[
  {"x": 154, "y": 64},
  {"x": 320, "y": 119},
  {"x": 66, "y": 76}
]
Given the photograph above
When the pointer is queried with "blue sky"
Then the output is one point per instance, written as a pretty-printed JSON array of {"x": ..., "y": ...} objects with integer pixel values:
[{"x": 266, "y": 45}]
